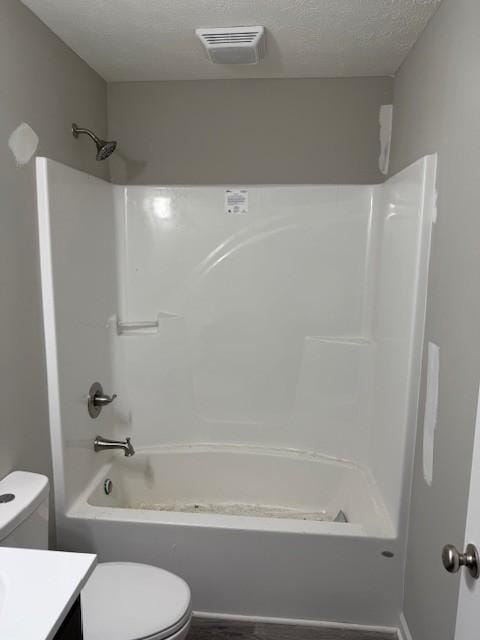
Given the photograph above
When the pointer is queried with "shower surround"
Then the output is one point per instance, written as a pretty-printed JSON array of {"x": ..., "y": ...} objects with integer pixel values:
[{"x": 267, "y": 368}]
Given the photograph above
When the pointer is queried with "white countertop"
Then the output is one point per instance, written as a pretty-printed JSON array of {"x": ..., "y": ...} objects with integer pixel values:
[{"x": 37, "y": 590}]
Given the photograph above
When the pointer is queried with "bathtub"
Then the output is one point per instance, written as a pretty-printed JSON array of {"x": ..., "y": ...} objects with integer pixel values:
[{"x": 201, "y": 510}]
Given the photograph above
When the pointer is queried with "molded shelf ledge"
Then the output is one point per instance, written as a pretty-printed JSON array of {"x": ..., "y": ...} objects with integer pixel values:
[
  {"x": 144, "y": 327},
  {"x": 358, "y": 340}
]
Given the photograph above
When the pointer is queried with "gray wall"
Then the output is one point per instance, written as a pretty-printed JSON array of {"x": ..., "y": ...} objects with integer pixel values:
[
  {"x": 247, "y": 131},
  {"x": 437, "y": 108},
  {"x": 46, "y": 85}
]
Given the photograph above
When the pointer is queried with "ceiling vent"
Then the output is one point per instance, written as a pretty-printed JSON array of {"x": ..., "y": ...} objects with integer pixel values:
[{"x": 233, "y": 45}]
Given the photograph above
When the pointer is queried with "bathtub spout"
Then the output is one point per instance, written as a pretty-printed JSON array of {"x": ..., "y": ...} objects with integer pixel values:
[{"x": 104, "y": 444}]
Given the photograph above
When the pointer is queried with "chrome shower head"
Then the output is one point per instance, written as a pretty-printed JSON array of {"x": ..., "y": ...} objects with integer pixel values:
[{"x": 104, "y": 148}]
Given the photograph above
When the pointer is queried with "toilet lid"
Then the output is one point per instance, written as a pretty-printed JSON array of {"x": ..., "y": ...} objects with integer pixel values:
[{"x": 130, "y": 601}]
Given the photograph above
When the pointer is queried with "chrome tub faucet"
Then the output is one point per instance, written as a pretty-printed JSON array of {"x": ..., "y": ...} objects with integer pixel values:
[{"x": 104, "y": 444}]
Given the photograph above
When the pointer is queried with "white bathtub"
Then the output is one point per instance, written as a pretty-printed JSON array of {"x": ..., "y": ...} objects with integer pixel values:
[
  {"x": 201, "y": 510},
  {"x": 239, "y": 488}
]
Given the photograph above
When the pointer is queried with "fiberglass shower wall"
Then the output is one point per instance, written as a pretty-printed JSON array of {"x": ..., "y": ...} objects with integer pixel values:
[
  {"x": 297, "y": 324},
  {"x": 261, "y": 317},
  {"x": 77, "y": 254},
  {"x": 292, "y": 324},
  {"x": 405, "y": 212}
]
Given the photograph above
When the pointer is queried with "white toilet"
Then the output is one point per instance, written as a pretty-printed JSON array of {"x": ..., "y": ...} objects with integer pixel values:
[
  {"x": 130, "y": 601},
  {"x": 122, "y": 600}
]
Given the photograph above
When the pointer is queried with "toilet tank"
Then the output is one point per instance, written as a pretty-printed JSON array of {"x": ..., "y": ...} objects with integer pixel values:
[{"x": 24, "y": 510}]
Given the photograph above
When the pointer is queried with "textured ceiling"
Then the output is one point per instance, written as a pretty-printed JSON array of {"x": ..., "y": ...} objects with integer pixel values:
[{"x": 154, "y": 39}]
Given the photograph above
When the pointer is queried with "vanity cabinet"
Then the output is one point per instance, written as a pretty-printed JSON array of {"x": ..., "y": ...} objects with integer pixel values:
[{"x": 71, "y": 628}]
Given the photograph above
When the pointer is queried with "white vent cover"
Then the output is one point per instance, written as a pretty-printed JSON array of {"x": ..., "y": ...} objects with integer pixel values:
[{"x": 233, "y": 45}]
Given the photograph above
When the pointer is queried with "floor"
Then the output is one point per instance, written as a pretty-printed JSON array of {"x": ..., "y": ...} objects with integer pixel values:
[{"x": 210, "y": 629}]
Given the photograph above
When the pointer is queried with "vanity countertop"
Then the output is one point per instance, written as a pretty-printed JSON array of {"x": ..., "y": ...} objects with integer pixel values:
[{"x": 38, "y": 589}]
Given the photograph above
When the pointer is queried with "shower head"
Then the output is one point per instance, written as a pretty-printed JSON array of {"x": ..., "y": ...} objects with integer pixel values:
[{"x": 104, "y": 148}]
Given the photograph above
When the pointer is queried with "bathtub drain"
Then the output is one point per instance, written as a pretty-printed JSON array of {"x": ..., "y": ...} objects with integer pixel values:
[{"x": 108, "y": 486}]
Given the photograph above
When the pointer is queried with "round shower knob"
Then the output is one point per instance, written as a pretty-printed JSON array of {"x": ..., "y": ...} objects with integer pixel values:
[{"x": 452, "y": 559}]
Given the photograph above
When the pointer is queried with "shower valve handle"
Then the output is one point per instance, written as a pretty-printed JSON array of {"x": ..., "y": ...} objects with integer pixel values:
[
  {"x": 97, "y": 400},
  {"x": 102, "y": 401}
]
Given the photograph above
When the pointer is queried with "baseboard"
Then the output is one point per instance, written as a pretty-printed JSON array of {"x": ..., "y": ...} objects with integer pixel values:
[
  {"x": 297, "y": 621},
  {"x": 403, "y": 630}
]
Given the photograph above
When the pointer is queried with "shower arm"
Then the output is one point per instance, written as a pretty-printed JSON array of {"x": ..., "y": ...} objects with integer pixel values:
[{"x": 78, "y": 130}]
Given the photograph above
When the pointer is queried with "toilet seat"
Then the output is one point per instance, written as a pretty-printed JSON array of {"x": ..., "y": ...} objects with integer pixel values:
[{"x": 131, "y": 601}]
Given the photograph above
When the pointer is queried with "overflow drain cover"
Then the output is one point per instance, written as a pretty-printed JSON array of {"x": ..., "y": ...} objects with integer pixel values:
[{"x": 7, "y": 497}]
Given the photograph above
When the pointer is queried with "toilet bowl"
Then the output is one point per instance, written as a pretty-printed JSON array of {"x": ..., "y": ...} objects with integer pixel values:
[
  {"x": 121, "y": 600},
  {"x": 131, "y": 601}
]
